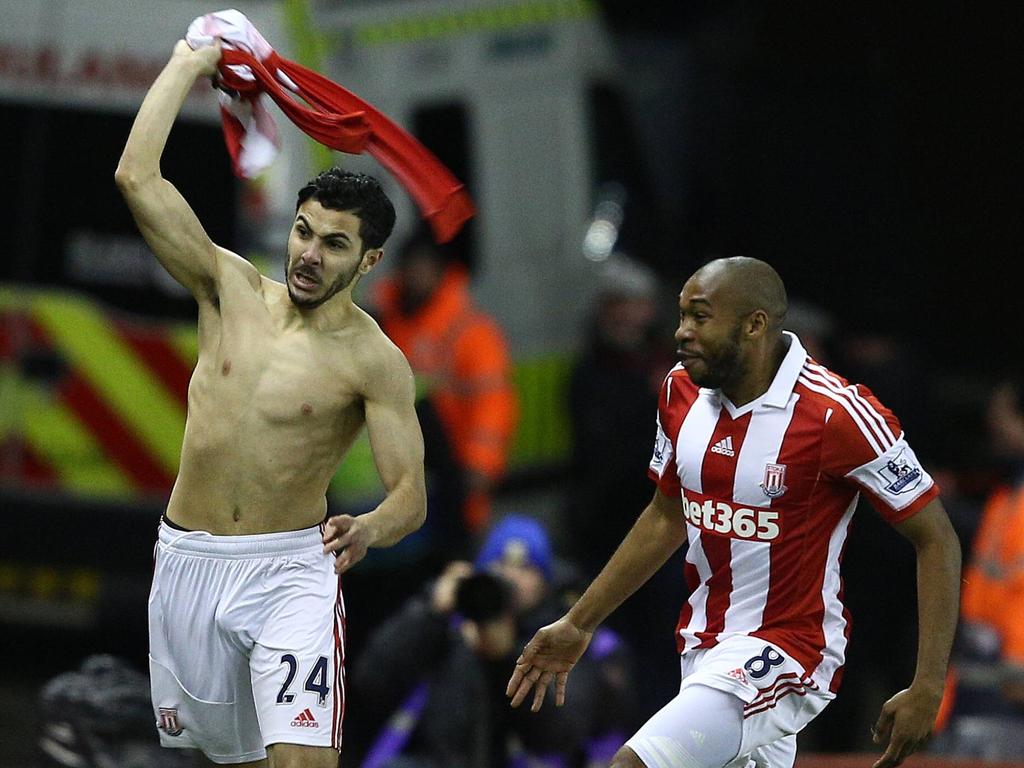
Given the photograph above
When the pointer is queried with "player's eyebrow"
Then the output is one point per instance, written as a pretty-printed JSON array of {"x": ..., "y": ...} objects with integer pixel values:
[{"x": 338, "y": 235}]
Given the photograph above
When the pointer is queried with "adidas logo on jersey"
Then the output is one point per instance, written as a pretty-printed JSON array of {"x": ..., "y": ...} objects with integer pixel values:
[
  {"x": 724, "y": 447},
  {"x": 305, "y": 719}
]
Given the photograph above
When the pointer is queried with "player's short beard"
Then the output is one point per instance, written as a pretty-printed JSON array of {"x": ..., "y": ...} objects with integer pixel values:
[
  {"x": 722, "y": 367},
  {"x": 343, "y": 281}
]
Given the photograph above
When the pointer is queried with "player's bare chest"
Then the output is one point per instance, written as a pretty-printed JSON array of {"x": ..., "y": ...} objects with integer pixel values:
[{"x": 279, "y": 377}]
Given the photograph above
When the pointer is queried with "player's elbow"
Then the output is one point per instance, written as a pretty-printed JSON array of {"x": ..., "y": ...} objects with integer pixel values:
[
  {"x": 127, "y": 180},
  {"x": 129, "y": 177}
]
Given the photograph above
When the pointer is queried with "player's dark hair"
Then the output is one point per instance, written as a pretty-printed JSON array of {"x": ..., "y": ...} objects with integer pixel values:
[{"x": 358, "y": 194}]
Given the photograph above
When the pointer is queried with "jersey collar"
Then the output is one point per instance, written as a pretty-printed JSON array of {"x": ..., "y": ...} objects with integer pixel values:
[{"x": 778, "y": 394}]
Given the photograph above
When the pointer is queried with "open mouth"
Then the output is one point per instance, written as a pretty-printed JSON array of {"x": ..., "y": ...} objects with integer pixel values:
[{"x": 304, "y": 281}]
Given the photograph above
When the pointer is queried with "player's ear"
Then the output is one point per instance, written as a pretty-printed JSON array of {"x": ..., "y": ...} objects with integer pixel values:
[
  {"x": 757, "y": 323},
  {"x": 370, "y": 259}
]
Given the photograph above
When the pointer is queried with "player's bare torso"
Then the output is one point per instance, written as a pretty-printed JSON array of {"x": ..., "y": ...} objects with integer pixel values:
[{"x": 275, "y": 400}]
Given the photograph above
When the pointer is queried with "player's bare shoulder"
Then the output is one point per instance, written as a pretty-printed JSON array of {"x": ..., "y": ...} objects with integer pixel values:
[{"x": 385, "y": 373}]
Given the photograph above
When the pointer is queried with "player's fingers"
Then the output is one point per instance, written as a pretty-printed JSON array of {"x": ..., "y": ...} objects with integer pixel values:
[
  {"x": 348, "y": 558},
  {"x": 516, "y": 679},
  {"x": 561, "y": 680},
  {"x": 337, "y": 525},
  {"x": 896, "y": 752},
  {"x": 540, "y": 688},
  {"x": 341, "y": 563},
  {"x": 883, "y": 726},
  {"x": 339, "y": 543},
  {"x": 889, "y": 759},
  {"x": 522, "y": 691}
]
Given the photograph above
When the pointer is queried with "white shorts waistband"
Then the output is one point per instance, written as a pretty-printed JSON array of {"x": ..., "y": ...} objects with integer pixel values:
[{"x": 240, "y": 547}]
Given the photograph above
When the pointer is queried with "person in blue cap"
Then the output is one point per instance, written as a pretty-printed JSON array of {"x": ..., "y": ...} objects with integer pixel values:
[{"x": 518, "y": 549}]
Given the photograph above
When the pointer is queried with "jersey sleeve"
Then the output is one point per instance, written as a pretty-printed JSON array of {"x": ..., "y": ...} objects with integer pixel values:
[
  {"x": 662, "y": 469},
  {"x": 865, "y": 446}
]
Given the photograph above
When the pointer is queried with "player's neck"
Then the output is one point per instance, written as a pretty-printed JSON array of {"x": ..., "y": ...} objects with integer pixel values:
[
  {"x": 331, "y": 315},
  {"x": 759, "y": 373}
]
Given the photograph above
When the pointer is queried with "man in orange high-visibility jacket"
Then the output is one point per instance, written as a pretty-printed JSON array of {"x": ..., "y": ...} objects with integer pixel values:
[
  {"x": 460, "y": 355},
  {"x": 993, "y": 592}
]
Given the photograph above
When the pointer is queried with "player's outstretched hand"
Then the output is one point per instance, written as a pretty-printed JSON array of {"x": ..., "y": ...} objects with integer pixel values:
[
  {"x": 550, "y": 655},
  {"x": 349, "y": 537},
  {"x": 905, "y": 723}
]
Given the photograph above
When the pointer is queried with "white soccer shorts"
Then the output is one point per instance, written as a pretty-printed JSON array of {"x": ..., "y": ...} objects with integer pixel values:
[
  {"x": 246, "y": 642},
  {"x": 778, "y": 699}
]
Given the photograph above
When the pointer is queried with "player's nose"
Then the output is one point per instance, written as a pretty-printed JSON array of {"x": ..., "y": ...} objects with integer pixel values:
[{"x": 311, "y": 256}]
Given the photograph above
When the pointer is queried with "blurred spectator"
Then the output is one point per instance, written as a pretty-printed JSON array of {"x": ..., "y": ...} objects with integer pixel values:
[
  {"x": 437, "y": 670},
  {"x": 985, "y": 704},
  {"x": 100, "y": 716},
  {"x": 460, "y": 357},
  {"x": 993, "y": 598},
  {"x": 993, "y": 593},
  {"x": 613, "y": 396},
  {"x": 815, "y": 328}
]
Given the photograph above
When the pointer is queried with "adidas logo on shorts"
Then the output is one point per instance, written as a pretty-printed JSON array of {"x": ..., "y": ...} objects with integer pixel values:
[{"x": 305, "y": 719}]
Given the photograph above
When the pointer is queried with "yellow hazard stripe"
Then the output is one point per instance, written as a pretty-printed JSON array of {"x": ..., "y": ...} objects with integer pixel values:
[
  {"x": 356, "y": 481},
  {"x": 86, "y": 339},
  {"x": 185, "y": 340},
  {"x": 455, "y": 22},
  {"x": 543, "y": 434},
  {"x": 60, "y": 440},
  {"x": 10, "y": 397}
]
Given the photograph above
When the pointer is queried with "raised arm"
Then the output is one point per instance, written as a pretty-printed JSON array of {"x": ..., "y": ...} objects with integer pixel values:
[
  {"x": 397, "y": 445},
  {"x": 554, "y": 650},
  {"x": 907, "y": 718},
  {"x": 165, "y": 220}
]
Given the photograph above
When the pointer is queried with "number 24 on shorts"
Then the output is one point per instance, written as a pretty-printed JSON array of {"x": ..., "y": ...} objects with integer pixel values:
[{"x": 316, "y": 681}]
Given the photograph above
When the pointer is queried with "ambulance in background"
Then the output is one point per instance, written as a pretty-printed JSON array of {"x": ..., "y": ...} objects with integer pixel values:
[{"x": 508, "y": 94}]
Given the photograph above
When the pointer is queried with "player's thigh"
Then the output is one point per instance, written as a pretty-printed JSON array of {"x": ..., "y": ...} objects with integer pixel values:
[
  {"x": 301, "y": 756},
  {"x": 297, "y": 664},
  {"x": 701, "y": 727}
]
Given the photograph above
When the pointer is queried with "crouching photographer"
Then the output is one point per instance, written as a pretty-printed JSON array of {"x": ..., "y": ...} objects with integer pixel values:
[{"x": 432, "y": 677}]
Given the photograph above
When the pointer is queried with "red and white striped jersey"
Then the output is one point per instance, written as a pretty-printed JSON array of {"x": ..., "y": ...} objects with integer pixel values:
[{"x": 768, "y": 490}]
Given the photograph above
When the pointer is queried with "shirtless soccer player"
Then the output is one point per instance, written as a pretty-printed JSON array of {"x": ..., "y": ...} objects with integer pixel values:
[{"x": 246, "y": 614}]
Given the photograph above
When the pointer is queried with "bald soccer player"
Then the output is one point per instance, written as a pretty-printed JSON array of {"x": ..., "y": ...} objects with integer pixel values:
[
  {"x": 759, "y": 458},
  {"x": 247, "y": 624}
]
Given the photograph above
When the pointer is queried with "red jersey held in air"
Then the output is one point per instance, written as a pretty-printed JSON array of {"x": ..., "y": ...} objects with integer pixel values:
[{"x": 768, "y": 491}]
